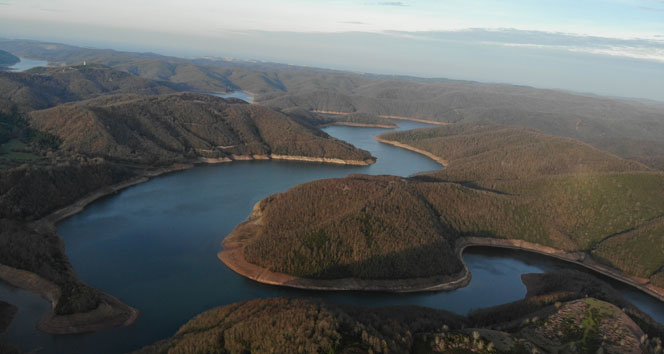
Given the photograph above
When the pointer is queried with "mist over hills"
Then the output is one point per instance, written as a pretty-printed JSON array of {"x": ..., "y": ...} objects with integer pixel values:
[
  {"x": 41, "y": 88},
  {"x": 558, "y": 169},
  {"x": 628, "y": 128}
]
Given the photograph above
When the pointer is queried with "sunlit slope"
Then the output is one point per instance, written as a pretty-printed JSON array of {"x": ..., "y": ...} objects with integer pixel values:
[{"x": 509, "y": 183}]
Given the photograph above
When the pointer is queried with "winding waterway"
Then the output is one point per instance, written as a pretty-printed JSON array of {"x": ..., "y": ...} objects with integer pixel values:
[{"x": 154, "y": 246}]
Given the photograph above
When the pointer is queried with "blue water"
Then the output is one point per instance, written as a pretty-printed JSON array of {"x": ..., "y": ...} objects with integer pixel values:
[
  {"x": 154, "y": 246},
  {"x": 247, "y": 97},
  {"x": 26, "y": 64}
]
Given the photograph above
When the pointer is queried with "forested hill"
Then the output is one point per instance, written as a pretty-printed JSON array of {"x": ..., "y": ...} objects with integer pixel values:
[
  {"x": 561, "y": 312},
  {"x": 46, "y": 87},
  {"x": 628, "y": 128},
  {"x": 182, "y": 127},
  {"x": 501, "y": 182},
  {"x": 8, "y": 59}
]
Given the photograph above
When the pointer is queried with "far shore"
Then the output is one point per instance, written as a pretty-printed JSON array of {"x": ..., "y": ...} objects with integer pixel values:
[
  {"x": 113, "y": 312},
  {"x": 413, "y": 119},
  {"x": 361, "y": 125}
]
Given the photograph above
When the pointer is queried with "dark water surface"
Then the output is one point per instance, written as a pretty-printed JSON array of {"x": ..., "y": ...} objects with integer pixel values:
[{"x": 154, "y": 246}]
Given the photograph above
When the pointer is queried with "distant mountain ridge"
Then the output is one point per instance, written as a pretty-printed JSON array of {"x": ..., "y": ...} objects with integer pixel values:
[
  {"x": 41, "y": 88},
  {"x": 628, "y": 128}
]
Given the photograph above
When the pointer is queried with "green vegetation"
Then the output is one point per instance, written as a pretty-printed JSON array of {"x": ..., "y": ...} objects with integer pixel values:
[
  {"x": 8, "y": 59},
  {"x": 164, "y": 129},
  {"x": 629, "y": 129},
  {"x": 51, "y": 158},
  {"x": 366, "y": 227},
  {"x": 319, "y": 120},
  {"x": 555, "y": 319},
  {"x": 500, "y": 182}
]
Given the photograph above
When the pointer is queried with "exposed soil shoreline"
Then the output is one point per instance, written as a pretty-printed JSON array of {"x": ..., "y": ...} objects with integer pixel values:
[
  {"x": 233, "y": 256},
  {"x": 413, "y": 119},
  {"x": 112, "y": 312},
  {"x": 414, "y": 149}
]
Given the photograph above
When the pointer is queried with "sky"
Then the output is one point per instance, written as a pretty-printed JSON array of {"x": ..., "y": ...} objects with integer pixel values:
[{"x": 611, "y": 47}]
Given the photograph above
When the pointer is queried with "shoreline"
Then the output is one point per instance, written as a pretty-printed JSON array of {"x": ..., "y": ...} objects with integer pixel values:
[
  {"x": 412, "y": 119},
  {"x": 360, "y": 125},
  {"x": 233, "y": 256},
  {"x": 111, "y": 312},
  {"x": 439, "y": 160},
  {"x": 125, "y": 315}
]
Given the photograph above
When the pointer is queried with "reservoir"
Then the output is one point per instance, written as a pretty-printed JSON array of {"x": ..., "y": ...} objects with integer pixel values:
[
  {"x": 154, "y": 246},
  {"x": 27, "y": 64}
]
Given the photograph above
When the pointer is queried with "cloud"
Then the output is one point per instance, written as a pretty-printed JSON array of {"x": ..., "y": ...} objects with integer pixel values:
[
  {"x": 354, "y": 22},
  {"x": 646, "y": 8},
  {"x": 391, "y": 3}
]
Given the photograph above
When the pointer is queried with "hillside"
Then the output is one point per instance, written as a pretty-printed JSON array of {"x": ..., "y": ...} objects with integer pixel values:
[
  {"x": 41, "y": 88},
  {"x": 56, "y": 161},
  {"x": 182, "y": 128},
  {"x": 627, "y": 128},
  {"x": 8, "y": 59},
  {"x": 567, "y": 319},
  {"x": 500, "y": 182}
]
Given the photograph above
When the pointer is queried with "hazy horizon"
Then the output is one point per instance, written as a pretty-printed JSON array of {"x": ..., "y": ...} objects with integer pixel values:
[{"x": 610, "y": 48}]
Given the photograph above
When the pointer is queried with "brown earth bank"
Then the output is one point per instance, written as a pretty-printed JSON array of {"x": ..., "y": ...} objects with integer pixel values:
[
  {"x": 436, "y": 158},
  {"x": 250, "y": 248},
  {"x": 233, "y": 256},
  {"x": 413, "y": 119}
]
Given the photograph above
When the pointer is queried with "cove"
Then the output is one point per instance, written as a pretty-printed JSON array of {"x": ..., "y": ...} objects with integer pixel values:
[
  {"x": 154, "y": 246},
  {"x": 27, "y": 64}
]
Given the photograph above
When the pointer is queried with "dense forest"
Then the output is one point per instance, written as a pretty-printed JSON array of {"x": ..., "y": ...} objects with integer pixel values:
[
  {"x": 628, "y": 128},
  {"x": 70, "y": 133},
  {"x": 581, "y": 315},
  {"x": 510, "y": 183},
  {"x": 8, "y": 59}
]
